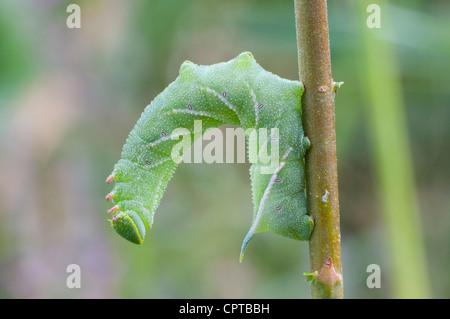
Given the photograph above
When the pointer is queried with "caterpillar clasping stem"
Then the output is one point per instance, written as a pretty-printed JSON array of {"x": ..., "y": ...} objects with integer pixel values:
[{"x": 238, "y": 92}]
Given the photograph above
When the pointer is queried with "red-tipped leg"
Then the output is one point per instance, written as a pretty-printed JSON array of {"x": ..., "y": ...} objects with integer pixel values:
[
  {"x": 109, "y": 179},
  {"x": 112, "y": 210},
  {"x": 109, "y": 196}
]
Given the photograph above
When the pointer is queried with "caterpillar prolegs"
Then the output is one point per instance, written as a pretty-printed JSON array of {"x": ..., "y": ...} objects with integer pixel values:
[{"x": 238, "y": 92}]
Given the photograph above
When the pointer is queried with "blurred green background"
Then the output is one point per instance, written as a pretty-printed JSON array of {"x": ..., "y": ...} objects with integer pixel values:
[{"x": 69, "y": 97}]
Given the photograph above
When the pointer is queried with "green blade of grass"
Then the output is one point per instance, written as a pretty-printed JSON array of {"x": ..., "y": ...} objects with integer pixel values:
[{"x": 392, "y": 159}]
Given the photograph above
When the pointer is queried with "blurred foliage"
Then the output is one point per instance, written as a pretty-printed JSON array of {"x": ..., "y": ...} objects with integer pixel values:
[
  {"x": 69, "y": 97},
  {"x": 390, "y": 147}
]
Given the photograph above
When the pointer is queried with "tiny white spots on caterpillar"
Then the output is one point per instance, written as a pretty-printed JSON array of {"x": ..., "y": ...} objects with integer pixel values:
[
  {"x": 267, "y": 191},
  {"x": 255, "y": 103},
  {"x": 162, "y": 139},
  {"x": 200, "y": 113},
  {"x": 158, "y": 163},
  {"x": 222, "y": 98}
]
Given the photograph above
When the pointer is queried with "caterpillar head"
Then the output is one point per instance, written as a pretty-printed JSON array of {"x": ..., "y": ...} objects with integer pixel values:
[{"x": 130, "y": 226}]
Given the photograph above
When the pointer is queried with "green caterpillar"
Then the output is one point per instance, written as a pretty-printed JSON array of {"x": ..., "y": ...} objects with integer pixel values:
[{"x": 238, "y": 92}]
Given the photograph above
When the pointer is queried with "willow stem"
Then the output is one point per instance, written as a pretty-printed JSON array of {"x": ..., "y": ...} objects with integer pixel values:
[{"x": 321, "y": 166}]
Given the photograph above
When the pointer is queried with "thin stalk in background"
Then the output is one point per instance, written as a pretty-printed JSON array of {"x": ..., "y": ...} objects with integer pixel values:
[
  {"x": 392, "y": 159},
  {"x": 321, "y": 167}
]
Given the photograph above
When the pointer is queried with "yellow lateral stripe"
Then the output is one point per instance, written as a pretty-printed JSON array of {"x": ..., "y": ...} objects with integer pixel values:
[{"x": 136, "y": 229}]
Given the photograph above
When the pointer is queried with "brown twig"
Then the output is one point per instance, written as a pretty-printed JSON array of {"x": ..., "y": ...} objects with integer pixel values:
[{"x": 321, "y": 166}]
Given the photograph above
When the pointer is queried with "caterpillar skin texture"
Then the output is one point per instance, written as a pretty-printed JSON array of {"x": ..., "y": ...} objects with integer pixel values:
[{"x": 237, "y": 92}]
